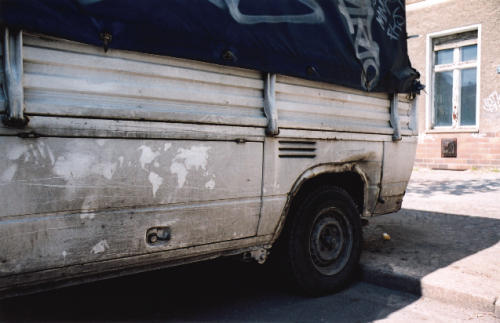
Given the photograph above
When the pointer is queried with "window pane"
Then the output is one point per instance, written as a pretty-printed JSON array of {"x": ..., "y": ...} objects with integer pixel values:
[
  {"x": 468, "y": 53},
  {"x": 468, "y": 97},
  {"x": 443, "y": 98},
  {"x": 444, "y": 57}
]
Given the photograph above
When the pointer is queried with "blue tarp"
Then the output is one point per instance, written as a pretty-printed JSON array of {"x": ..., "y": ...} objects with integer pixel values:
[{"x": 355, "y": 43}]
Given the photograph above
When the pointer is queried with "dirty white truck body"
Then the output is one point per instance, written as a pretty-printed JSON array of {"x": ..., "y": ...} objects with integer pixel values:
[{"x": 122, "y": 144}]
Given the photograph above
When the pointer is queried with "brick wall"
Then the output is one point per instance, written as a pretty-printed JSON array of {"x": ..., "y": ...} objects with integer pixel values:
[{"x": 478, "y": 150}]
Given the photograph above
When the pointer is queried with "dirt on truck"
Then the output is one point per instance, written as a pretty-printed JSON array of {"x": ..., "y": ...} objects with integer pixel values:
[{"x": 142, "y": 135}]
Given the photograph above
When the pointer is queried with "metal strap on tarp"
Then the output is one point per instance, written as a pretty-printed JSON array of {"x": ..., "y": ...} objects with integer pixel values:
[
  {"x": 270, "y": 109},
  {"x": 413, "y": 114},
  {"x": 13, "y": 78},
  {"x": 395, "y": 124}
]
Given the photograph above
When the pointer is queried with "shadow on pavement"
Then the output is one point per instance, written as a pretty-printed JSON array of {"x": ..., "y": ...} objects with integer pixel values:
[
  {"x": 228, "y": 290},
  {"x": 217, "y": 290},
  {"x": 429, "y": 240},
  {"x": 423, "y": 242}
]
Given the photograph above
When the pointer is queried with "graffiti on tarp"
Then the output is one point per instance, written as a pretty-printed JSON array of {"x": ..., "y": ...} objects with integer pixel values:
[
  {"x": 492, "y": 103},
  {"x": 360, "y": 14},
  {"x": 389, "y": 19},
  {"x": 316, "y": 17}
]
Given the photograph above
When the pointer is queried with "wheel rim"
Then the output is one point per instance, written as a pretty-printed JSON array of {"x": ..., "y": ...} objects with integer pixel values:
[{"x": 330, "y": 241}]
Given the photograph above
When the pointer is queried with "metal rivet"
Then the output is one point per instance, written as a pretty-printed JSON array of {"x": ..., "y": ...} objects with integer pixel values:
[
  {"x": 229, "y": 56},
  {"x": 106, "y": 38},
  {"x": 311, "y": 71}
]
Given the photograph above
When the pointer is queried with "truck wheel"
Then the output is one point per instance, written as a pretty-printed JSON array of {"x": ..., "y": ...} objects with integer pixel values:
[{"x": 324, "y": 242}]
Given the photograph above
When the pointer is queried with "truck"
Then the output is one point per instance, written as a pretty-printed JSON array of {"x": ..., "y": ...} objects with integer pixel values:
[{"x": 143, "y": 135}]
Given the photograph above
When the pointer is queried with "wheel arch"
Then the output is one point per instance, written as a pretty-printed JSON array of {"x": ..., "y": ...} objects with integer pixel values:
[{"x": 349, "y": 177}]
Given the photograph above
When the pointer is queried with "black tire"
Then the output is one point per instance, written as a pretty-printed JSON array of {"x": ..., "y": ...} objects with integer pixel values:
[{"x": 322, "y": 242}]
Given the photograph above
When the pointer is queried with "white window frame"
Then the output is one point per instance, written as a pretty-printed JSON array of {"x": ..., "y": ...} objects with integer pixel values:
[{"x": 430, "y": 77}]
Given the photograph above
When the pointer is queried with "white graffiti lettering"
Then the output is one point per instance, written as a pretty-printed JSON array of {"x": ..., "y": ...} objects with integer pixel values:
[
  {"x": 382, "y": 13},
  {"x": 360, "y": 14},
  {"x": 492, "y": 103},
  {"x": 316, "y": 17},
  {"x": 393, "y": 18},
  {"x": 395, "y": 29}
]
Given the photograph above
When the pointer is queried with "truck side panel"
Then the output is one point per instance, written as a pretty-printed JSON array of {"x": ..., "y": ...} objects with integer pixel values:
[
  {"x": 69, "y": 79},
  {"x": 285, "y": 162},
  {"x": 56, "y": 193},
  {"x": 119, "y": 143},
  {"x": 312, "y": 105},
  {"x": 396, "y": 171},
  {"x": 2, "y": 93}
]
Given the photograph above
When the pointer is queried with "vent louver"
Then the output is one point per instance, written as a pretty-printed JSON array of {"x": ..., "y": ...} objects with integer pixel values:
[{"x": 297, "y": 149}]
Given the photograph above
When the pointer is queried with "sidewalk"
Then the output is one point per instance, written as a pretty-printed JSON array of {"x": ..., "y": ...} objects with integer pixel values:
[{"x": 445, "y": 241}]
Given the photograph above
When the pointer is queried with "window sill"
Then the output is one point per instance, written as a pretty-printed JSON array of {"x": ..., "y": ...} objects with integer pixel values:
[{"x": 450, "y": 130}]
